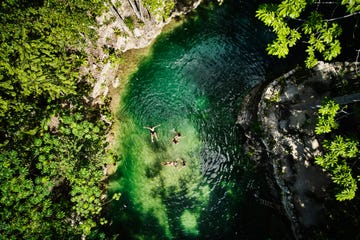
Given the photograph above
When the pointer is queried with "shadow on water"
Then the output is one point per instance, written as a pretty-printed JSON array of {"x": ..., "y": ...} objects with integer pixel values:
[
  {"x": 148, "y": 224},
  {"x": 193, "y": 82}
]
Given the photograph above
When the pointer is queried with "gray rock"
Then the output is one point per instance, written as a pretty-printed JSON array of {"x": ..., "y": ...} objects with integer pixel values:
[
  {"x": 290, "y": 92},
  {"x": 283, "y": 124},
  {"x": 297, "y": 119}
]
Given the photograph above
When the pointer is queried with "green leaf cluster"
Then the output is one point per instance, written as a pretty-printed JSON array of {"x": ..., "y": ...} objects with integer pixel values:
[
  {"x": 41, "y": 49},
  {"x": 326, "y": 117},
  {"x": 160, "y": 8},
  {"x": 337, "y": 151},
  {"x": 275, "y": 18},
  {"x": 351, "y": 5},
  {"x": 334, "y": 162},
  {"x": 322, "y": 38},
  {"x": 295, "y": 20}
]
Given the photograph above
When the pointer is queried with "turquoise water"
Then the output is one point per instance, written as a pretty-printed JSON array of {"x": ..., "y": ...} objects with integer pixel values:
[{"x": 193, "y": 82}]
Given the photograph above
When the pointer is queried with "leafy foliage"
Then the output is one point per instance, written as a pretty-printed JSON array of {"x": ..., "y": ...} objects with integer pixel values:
[
  {"x": 351, "y": 5},
  {"x": 40, "y": 49},
  {"x": 334, "y": 162},
  {"x": 321, "y": 36},
  {"x": 287, "y": 37},
  {"x": 52, "y": 146},
  {"x": 326, "y": 117},
  {"x": 337, "y": 151},
  {"x": 160, "y": 8}
]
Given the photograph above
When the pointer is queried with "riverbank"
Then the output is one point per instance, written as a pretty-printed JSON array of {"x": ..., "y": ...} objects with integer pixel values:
[
  {"x": 121, "y": 31},
  {"x": 278, "y": 119}
]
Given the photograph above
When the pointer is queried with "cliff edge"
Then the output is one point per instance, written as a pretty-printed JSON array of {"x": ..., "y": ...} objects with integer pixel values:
[{"x": 278, "y": 119}]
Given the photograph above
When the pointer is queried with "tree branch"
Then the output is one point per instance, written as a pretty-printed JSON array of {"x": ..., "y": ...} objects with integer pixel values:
[
  {"x": 356, "y": 61},
  {"x": 338, "y": 18},
  {"x": 325, "y": 3}
]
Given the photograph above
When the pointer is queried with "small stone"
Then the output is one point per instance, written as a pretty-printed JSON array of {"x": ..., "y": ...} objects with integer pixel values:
[
  {"x": 116, "y": 83},
  {"x": 314, "y": 144},
  {"x": 306, "y": 163},
  {"x": 138, "y": 32}
]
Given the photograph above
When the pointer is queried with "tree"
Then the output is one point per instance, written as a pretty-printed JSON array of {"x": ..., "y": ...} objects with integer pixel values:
[
  {"x": 306, "y": 20},
  {"x": 51, "y": 176}
]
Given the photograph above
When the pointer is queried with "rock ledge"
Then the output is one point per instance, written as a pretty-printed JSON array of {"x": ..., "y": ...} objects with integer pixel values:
[{"x": 278, "y": 119}]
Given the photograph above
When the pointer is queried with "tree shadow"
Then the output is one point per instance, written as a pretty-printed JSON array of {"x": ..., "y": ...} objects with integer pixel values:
[{"x": 153, "y": 170}]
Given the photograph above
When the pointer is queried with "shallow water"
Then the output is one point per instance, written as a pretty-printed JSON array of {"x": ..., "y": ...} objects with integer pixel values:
[{"x": 193, "y": 82}]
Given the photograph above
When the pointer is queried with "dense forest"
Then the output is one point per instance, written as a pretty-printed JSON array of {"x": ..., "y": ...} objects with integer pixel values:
[
  {"x": 52, "y": 138},
  {"x": 53, "y": 148}
]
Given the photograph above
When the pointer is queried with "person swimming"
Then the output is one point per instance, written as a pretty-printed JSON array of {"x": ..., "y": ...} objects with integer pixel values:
[
  {"x": 175, "y": 163},
  {"x": 171, "y": 163},
  {"x": 153, "y": 133},
  {"x": 183, "y": 162},
  {"x": 176, "y": 138}
]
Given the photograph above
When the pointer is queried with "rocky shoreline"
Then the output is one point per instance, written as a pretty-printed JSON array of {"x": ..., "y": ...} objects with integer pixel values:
[
  {"x": 121, "y": 29},
  {"x": 108, "y": 74},
  {"x": 278, "y": 119}
]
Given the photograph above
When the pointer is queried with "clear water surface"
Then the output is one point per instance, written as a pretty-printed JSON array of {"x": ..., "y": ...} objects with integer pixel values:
[{"x": 193, "y": 82}]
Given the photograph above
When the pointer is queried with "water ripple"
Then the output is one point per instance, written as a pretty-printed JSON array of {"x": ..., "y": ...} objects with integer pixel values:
[{"x": 198, "y": 77}]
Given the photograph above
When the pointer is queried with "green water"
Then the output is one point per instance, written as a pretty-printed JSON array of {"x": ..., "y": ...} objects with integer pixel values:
[{"x": 193, "y": 81}]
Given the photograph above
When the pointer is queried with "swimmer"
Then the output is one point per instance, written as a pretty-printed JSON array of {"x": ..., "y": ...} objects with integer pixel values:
[
  {"x": 183, "y": 162},
  {"x": 177, "y": 137},
  {"x": 153, "y": 133},
  {"x": 171, "y": 163},
  {"x": 175, "y": 163}
]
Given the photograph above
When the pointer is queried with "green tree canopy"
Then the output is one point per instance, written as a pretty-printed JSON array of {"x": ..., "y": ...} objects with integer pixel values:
[
  {"x": 309, "y": 21},
  {"x": 52, "y": 143}
]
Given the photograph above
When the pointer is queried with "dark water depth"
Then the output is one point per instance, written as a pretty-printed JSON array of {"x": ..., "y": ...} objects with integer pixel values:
[{"x": 193, "y": 82}]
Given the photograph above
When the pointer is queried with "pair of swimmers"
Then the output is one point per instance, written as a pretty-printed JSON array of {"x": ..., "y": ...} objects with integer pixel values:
[{"x": 153, "y": 134}]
